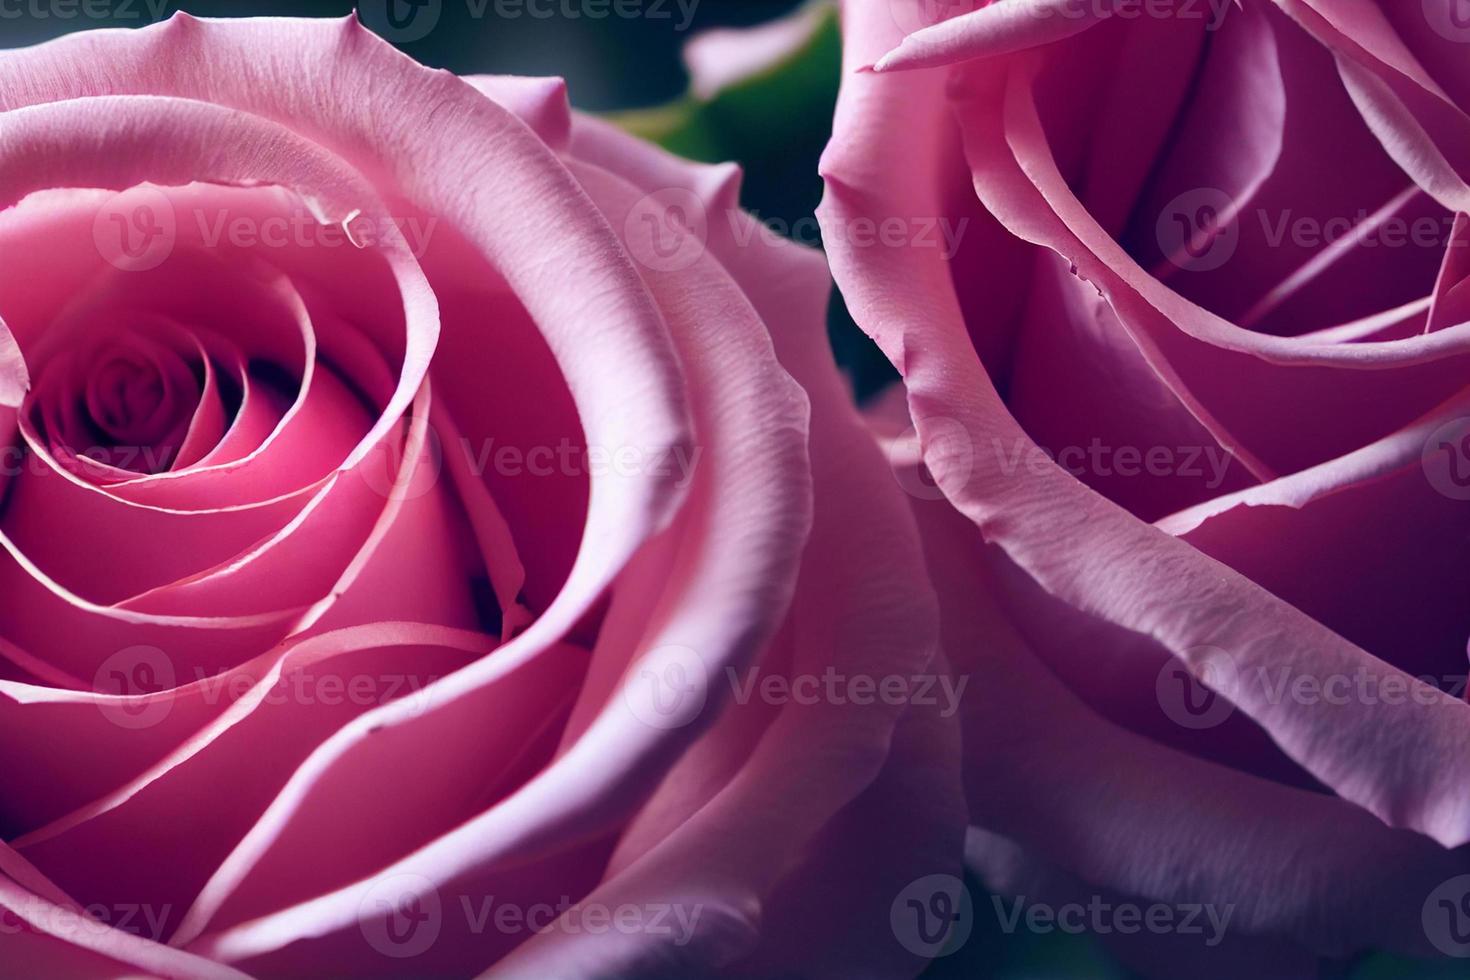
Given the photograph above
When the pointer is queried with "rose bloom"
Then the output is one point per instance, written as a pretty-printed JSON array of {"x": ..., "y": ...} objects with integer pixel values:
[
  {"x": 405, "y": 480},
  {"x": 1192, "y": 396}
]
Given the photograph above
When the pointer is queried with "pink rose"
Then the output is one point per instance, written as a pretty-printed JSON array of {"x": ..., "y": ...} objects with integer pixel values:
[
  {"x": 415, "y": 506},
  {"x": 1193, "y": 386}
]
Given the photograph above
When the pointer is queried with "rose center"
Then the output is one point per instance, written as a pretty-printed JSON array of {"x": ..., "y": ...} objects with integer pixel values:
[
  {"x": 125, "y": 400},
  {"x": 126, "y": 397}
]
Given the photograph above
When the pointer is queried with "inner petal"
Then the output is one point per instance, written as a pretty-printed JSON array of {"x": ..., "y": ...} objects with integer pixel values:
[
  {"x": 130, "y": 397},
  {"x": 1314, "y": 243},
  {"x": 125, "y": 398}
]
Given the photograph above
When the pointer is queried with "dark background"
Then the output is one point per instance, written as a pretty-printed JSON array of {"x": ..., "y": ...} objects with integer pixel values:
[{"x": 609, "y": 63}]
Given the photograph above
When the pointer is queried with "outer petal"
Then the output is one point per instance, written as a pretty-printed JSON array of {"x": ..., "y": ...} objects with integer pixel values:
[
  {"x": 1128, "y": 814},
  {"x": 706, "y": 838},
  {"x": 14, "y": 379},
  {"x": 69, "y": 926},
  {"x": 995, "y": 28}
]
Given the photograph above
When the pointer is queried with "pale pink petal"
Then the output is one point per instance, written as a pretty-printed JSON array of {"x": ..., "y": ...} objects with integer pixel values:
[
  {"x": 995, "y": 28},
  {"x": 721, "y": 57},
  {"x": 1126, "y": 813}
]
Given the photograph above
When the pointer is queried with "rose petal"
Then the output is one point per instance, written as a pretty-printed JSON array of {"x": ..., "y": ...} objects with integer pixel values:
[{"x": 992, "y": 30}]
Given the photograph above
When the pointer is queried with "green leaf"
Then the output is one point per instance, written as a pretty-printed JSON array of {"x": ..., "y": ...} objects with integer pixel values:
[{"x": 776, "y": 116}]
